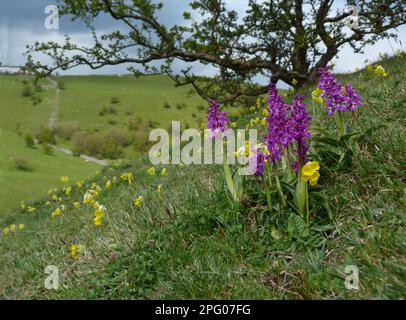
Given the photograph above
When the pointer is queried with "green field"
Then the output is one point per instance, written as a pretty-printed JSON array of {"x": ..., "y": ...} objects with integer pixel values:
[
  {"x": 80, "y": 102},
  {"x": 188, "y": 241}
]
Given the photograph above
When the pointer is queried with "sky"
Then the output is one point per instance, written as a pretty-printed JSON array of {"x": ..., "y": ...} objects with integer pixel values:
[{"x": 22, "y": 23}]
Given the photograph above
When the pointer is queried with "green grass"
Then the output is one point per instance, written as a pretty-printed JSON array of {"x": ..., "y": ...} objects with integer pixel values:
[
  {"x": 190, "y": 242},
  {"x": 17, "y": 185},
  {"x": 17, "y": 113}
]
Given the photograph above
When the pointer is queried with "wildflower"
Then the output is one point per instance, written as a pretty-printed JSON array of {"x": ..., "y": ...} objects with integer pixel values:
[
  {"x": 57, "y": 212},
  {"x": 21, "y": 226},
  {"x": 216, "y": 119},
  {"x": 163, "y": 172},
  {"x": 76, "y": 250},
  {"x": 310, "y": 172},
  {"x": 264, "y": 122},
  {"x": 80, "y": 184},
  {"x": 316, "y": 95},
  {"x": 338, "y": 98},
  {"x": 265, "y": 112},
  {"x": 233, "y": 125},
  {"x": 127, "y": 176},
  {"x": 52, "y": 190},
  {"x": 47, "y": 204},
  {"x": 64, "y": 179},
  {"x": 159, "y": 188},
  {"x": 31, "y": 209},
  {"x": 252, "y": 109},
  {"x": 298, "y": 128},
  {"x": 88, "y": 198},
  {"x": 258, "y": 103},
  {"x": 138, "y": 201},
  {"x": 76, "y": 205},
  {"x": 294, "y": 82},
  {"x": 68, "y": 191},
  {"x": 23, "y": 205},
  {"x": 6, "y": 231},
  {"x": 98, "y": 215},
  {"x": 55, "y": 197},
  {"x": 277, "y": 121},
  {"x": 12, "y": 227},
  {"x": 151, "y": 171},
  {"x": 380, "y": 71},
  {"x": 109, "y": 184}
]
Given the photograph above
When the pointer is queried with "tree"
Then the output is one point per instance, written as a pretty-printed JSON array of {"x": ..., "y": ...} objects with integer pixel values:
[{"x": 282, "y": 40}]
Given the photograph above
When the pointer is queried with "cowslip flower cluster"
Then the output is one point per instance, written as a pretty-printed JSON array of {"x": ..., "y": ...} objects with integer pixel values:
[
  {"x": 138, "y": 201},
  {"x": 378, "y": 70},
  {"x": 216, "y": 119},
  {"x": 13, "y": 228},
  {"x": 99, "y": 212},
  {"x": 76, "y": 250},
  {"x": 338, "y": 98},
  {"x": 127, "y": 176},
  {"x": 310, "y": 172}
]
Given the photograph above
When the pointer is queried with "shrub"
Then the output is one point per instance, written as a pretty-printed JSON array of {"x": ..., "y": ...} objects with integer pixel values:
[
  {"x": 167, "y": 105},
  {"x": 66, "y": 130},
  {"x": 29, "y": 140},
  {"x": 46, "y": 135},
  {"x": 47, "y": 149},
  {"x": 98, "y": 144},
  {"x": 114, "y": 100},
  {"x": 22, "y": 163},
  {"x": 27, "y": 91},
  {"x": 108, "y": 110},
  {"x": 120, "y": 137}
]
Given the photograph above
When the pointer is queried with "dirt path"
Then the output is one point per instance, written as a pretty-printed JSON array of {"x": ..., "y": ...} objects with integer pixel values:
[{"x": 52, "y": 124}]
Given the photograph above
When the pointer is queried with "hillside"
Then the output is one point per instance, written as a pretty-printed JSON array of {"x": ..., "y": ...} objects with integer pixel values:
[{"x": 186, "y": 240}]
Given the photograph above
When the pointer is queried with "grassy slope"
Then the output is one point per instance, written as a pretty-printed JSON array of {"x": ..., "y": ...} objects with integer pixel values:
[
  {"x": 18, "y": 116},
  {"x": 139, "y": 98},
  {"x": 189, "y": 242}
]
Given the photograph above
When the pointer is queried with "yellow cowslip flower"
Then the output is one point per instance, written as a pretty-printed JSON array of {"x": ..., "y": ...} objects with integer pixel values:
[
  {"x": 233, "y": 125},
  {"x": 80, "y": 184},
  {"x": 370, "y": 67},
  {"x": 52, "y": 190},
  {"x": 6, "y": 231},
  {"x": 56, "y": 212},
  {"x": 127, "y": 176},
  {"x": 258, "y": 102},
  {"x": 264, "y": 122},
  {"x": 21, "y": 226},
  {"x": 88, "y": 198},
  {"x": 63, "y": 207},
  {"x": 68, "y": 190},
  {"x": 76, "y": 205},
  {"x": 294, "y": 82},
  {"x": 98, "y": 215},
  {"x": 47, "y": 204},
  {"x": 109, "y": 184},
  {"x": 151, "y": 171},
  {"x": 55, "y": 197},
  {"x": 31, "y": 209},
  {"x": 23, "y": 205},
  {"x": 159, "y": 188},
  {"x": 64, "y": 179},
  {"x": 310, "y": 172},
  {"x": 316, "y": 95},
  {"x": 12, "y": 227},
  {"x": 265, "y": 112},
  {"x": 252, "y": 109},
  {"x": 138, "y": 201},
  {"x": 163, "y": 172},
  {"x": 76, "y": 250}
]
